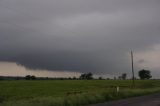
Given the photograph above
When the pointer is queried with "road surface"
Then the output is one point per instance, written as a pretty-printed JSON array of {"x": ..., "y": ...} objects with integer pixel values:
[{"x": 149, "y": 100}]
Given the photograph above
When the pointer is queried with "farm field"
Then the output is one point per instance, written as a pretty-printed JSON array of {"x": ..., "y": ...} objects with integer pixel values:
[{"x": 70, "y": 92}]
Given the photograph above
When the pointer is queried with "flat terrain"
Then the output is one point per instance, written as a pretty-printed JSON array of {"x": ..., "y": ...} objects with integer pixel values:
[
  {"x": 70, "y": 92},
  {"x": 148, "y": 100}
]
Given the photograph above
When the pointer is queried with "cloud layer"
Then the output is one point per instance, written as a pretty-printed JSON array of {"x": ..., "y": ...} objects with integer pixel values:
[{"x": 78, "y": 35}]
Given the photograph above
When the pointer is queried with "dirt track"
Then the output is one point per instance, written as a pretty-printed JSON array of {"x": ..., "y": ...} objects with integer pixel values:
[{"x": 149, "y": 100}]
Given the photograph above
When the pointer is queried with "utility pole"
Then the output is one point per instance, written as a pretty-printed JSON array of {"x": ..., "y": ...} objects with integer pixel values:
[{"x": 133, "y": 83}]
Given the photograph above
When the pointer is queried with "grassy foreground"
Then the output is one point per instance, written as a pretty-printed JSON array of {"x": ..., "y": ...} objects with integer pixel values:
[{"x": 70, "y": 92}]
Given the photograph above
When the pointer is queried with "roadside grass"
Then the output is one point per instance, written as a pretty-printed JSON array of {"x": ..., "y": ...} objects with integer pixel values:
[{"x": 71, "y": 92}]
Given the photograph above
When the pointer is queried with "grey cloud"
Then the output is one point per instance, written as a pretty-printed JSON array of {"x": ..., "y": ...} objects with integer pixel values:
[{"x": 77, "y": 35}]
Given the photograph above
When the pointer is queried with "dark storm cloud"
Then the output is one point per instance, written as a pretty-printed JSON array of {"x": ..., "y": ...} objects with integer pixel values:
[{"x": 77, "y": 35}]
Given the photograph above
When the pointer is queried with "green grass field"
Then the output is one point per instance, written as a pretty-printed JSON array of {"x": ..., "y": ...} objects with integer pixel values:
[{"x": 70, "y": 92}]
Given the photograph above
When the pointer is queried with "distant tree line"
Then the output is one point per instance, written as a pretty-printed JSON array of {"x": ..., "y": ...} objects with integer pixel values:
[{"x": 143, "y": 74}]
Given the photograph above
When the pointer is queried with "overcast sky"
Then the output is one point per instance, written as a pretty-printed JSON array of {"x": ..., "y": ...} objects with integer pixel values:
[{"x": 81, "y": 35}]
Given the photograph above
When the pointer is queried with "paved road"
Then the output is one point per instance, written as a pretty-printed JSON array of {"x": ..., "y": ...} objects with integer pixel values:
[{"x": 150, "y": 100}]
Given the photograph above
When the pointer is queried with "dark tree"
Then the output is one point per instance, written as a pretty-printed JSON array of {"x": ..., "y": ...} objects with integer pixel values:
[
  {"x": 124, "y": 76},
  {"x": 1, "y": 78},
  {"x": 89, "y": 76},
  {"x": 27, "y": 77},
  {"x": 100, "y": 78},
  {"x": 86, "y": 76},
  {"x": 119, "y": 77},
  {"x": 107, "y": 78},
  {"x": 33, "y": 77},
  {"x": 83, "y": 76},
  {"x": 144, "y": 74},
  {"x": 74, "y": 78}
]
